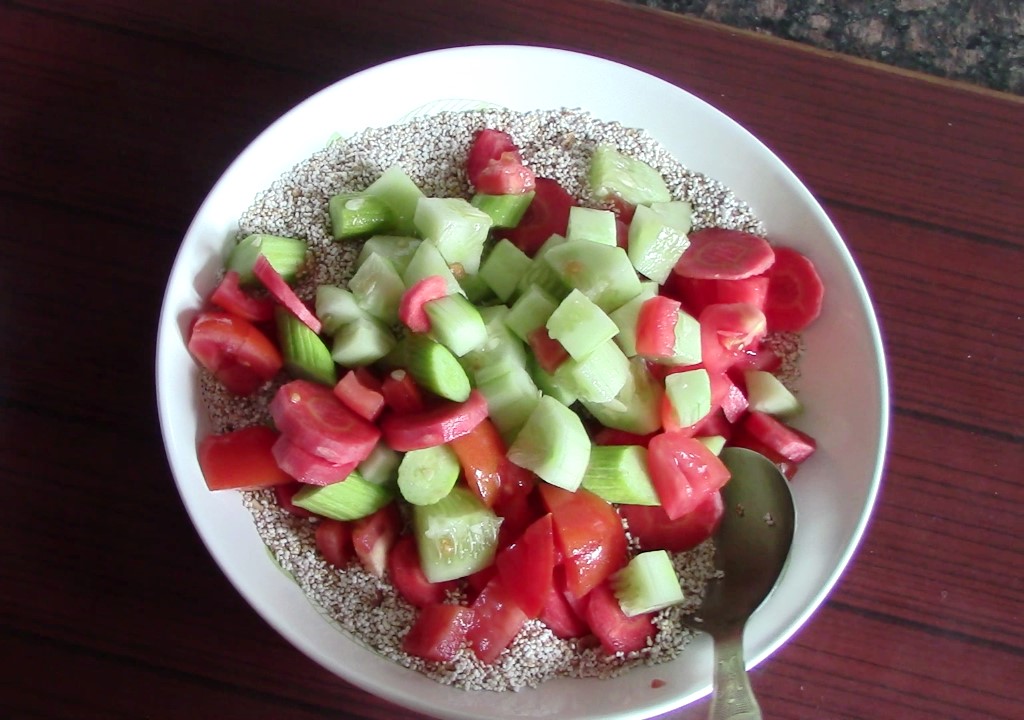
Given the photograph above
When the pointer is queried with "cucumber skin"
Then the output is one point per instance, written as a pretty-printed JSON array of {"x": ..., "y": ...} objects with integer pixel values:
[
  {"x": 553, "y": 444},
  {"x": 351, "y": 499},
  {"x": 305, "y": 354}
]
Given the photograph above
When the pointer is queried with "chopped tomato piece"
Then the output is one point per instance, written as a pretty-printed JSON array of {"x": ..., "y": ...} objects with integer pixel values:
[
  {"x": 527, "y": 566},
  {"x": 497, "y": 619},
  {"x": 758, "y": 358},
  {"x": 360, "y": 396},
  {"x": 488, "y": 145},
  {"x": 616, "y": 631},
  {"x": 434, "y": 426},
  {"x": 742, "y": 438},
  {"x": 411, "y": 309},
  {"x": 438, "y": 632},
  {"x": 401, "y": 393},
  {"x": 549, "y": 352},
  {"x": 240, "y": 356},
  {"x": 720, "y": 254},
  {"x": 547, "y": 215},
  {"x": 407, "y": 576},
  {"x": 559, "y": 614},
  {"x": 373, "y": 537},
  {"x": 506, "y": 176},
  {"x": 589, "y": 534},
  {"x": 697, "y": 293},
  {"x": 795, "y": 292},
  {"x": 656, "y": 327},
  {"x": 230, "y": 296},
  {"x": 284, "y": 494},
  {"x": 727, "y": 331},
  {"x": 518, "y": 505},
  {"x": 306, "y": 467},
  {"x": 314, "y": 419},
  {"x": 481, "y": 453},
  {"x": 279, "y": 288},
  {"x": 683, "y": 471},
  {"x": 334, "y": 541},
  {"x": 654, "y": 530},
  {"x": 241, "y": 459},
  {"x": 790, "y": 443}
]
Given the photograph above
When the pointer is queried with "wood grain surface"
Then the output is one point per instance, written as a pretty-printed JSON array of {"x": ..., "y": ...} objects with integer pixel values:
[{"x": 116, "y": 118}]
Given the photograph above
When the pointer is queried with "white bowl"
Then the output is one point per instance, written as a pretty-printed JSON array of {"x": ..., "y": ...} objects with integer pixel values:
[{"x": 844, "y": 381}]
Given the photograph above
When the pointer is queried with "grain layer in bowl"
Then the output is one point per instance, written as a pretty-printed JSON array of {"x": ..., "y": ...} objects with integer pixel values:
[{"x": 432, "y": 150}]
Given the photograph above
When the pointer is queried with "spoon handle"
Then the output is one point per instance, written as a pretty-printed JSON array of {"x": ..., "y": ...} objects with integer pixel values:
[{"x": 733, "y": 698}]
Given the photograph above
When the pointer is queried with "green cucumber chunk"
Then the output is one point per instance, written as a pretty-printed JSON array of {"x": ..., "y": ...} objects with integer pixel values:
[
  {"x": 655, "y": 245},
  {"x": 613, "y": 174},
  {"x": 591, "y": 224},
  {"x": 600, "y": 376},
  {"x": 530, "y": 312},
  {"x": 553, "y": 444},
  {"x": 626, "y": 317},
  {"x": 456, "y": 323},
  {"x": 476, "y": 289},
  {"x": 647, "y": 584},
  {"x": 503, "y": 268},
  {"x": 601, "y": 272},
  {"x": 767, "y": 394},
  {"x": 558, "y": 388},
  {"x": 542, "y": 274},
  {"x": 357, "y": 214},
  {"x": 399, "y": 249},
  {"x": 458, "y": 229},
  {"x": 378, "y": 288},
  {"x": 362, "y": 342},
  {"x": 714, "y": 443},
  {"x": 398, "y": 190},
  {"x": 381, "y": 466},
  {"x": 511, "y": 396},
  {"x": 456, "y": 536},
  {"x": 505, "y": 211},
  {"x": 501, "y": 343},
  {"x": 435, "y": 368},
  {"x": 351, "y": 499},
  {"x": 335, "y": 307},
  {"x": 428, "y": 475},
  {"x": 286, "y": 255},
  {"x": 618, "y": 473},
  {"x": 686, "y": 349},
  {"x": 689, "y": 394},
  {"x": 305, "y": 354},
  {"x": 637, "y": 406},
  {"x": 427, "y": 261},
  {"x": 580, "y": 325}
]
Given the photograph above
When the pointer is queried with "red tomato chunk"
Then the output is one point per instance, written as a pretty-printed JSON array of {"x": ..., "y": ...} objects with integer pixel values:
[
  {"x": 241, "y": 459},
  {"x": 683, "y": 472},
  {"x": 438, "y": 632}
]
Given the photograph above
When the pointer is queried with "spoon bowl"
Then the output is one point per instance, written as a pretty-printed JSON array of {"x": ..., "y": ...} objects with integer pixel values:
[{"x": 751, "y": 549}]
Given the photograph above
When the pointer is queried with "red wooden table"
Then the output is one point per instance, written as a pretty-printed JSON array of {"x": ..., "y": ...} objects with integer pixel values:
[{"x": 116, "y": 118}]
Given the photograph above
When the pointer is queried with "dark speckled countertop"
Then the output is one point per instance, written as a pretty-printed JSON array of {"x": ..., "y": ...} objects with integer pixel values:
[{"x": 977, "y": 41}]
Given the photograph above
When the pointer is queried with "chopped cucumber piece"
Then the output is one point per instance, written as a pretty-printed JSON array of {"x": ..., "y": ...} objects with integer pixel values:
[
  {"x": 456, "y": 227},
  {"x": 456, "y": 323},
  {"x": 511, "y": 396},
  {"x": 505, "y": 210},
  {"x": 286, "y": 255},
  {"x": 686, "y": 350},
  {"x": 428, "y": 475},
  {"x": 336, "y": 306},
  {"x": 476, "y": 289},
  {"x": 598, "y": 377},
  {"x": 655, "y": 245},
  {"x": 553, "y": 444},
  {"x": 362, "y": 342},
  {"x": 435, "y": 368},
  {"x": 689, "y": 394},
  {"x": 637, "y": 406},
  {"x": 618, "y": 473},
  {"x": 501, "y": 343},
  {"x": 591, "y": 224},
  {"x": 542, "y": 274},
  {"x": 648, "y": 583},
  {"x": 357, "y": 214},
  {"x": 456, "y": 536},
  {"x": 378, "y": 288},
  {"x": 530, "y": 311},
  {"x": 398, "y": 190},
  {"x": 767, "y": 394},
  {"x": 580, "y": 325},
  {"x": 305, "y": 354},
  {"x": 351, "y": 499},
  {"x": 601, "y": 272},
  {"x": 427, "y": 261},
  {"x": 381, "y": 466},
  {"x": 714, "y": 443},
  {"x": 503, "y": 268},
  {"x": 625, "y": 318},
  {"x": 558, "y": 388},
  {"x": 613, "y": 174},
  {"x": 399, "y": 249},
  {"x": 676, "y": 213}
]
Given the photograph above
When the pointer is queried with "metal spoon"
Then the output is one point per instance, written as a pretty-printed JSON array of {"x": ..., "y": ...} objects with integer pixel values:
[{"x": 752, "y": 545}]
